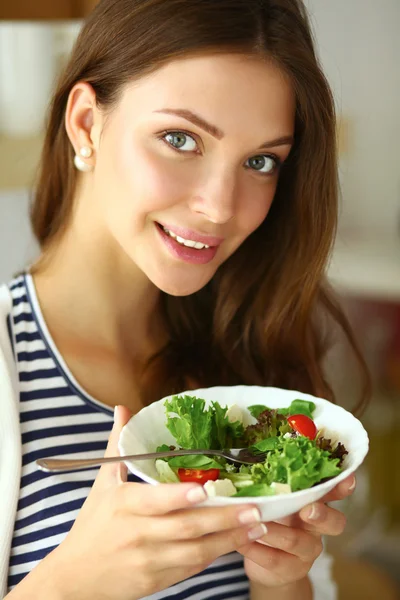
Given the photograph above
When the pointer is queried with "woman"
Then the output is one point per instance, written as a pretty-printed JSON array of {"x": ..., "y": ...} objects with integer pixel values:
[{"x": 185, "y": 208}]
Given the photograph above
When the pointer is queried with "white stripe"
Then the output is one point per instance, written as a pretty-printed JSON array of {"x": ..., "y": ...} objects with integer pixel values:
[
  {"x": 221, "y": 589},
  {"x": 66, "y": 421},
  {"x": 19, "y": 291},
  {"x": 49, "y": 403},
  {"x": 204, "y": 594},
  {"x": 52, "y": 501},
  {"x": 43, "y": 384},
  {"x": 33, "y": 345},
  {"x": 64, "y": 440},
  {"x": 25, "y": 327},
  {"x": 56, "y": 478},
  {"x": 22, "y": 307},
  {"x": 49, "y": 522},
  {"x": 53, "y": 540},
  {"x": 23, "y": 568},
  {"x": 25, "y": 366}
]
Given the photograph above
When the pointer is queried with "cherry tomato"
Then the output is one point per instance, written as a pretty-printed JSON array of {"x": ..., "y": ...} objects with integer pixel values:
[
  {"x": 198, "y": 475},
  {"x": 303, "y": 425}
]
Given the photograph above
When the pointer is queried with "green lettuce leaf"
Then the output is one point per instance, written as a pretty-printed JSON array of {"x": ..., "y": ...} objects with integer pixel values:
[
  {"x": 266, "y": 445},
  {"x": 193, "y": 426},
  {"x": 193, "y": 461},
  {"x": 256, "y": 409},
  {"x": 299, "y": 407},
  {"x": 223, "y": 432},
  {"x": 190, "y": 423},
  {"x": 258, "y": 489},
  {"x": 298, "y": 462}
]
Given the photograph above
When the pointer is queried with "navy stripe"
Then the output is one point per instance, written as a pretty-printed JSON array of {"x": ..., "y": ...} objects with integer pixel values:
[
  {"x": 195, "y": 589},
  {"x": 14, "y": 580},
  {"x": 223, "y": 596},
  {"x": 27, "y": 336},
  {"x": 59, "y": 411},
  {"x": 41, "y": 534},
  {"x": 32, "y": 355},
  {"x": 20, "y": 299},
  {"x": 30, "y": 556},
  {"x": 27, "y": 317},
  {"x": 85, "y": 428},
  {"x": 53, "y": 490},
  {"x": 228, "y": 567},
  {"x": 17, "y": 283},
  {"x": 38, "y": 374},
  {"x": 56, "y": 392},
  {"x": 52, "y": 511}
]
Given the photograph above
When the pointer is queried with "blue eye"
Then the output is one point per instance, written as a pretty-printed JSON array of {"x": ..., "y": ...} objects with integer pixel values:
[
  {"x": 263, "y": 163},
  {"x": 180, "y": 141}
]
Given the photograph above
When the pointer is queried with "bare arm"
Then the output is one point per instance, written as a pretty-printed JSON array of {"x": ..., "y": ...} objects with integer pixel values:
[{"x": 300, "y": 590}]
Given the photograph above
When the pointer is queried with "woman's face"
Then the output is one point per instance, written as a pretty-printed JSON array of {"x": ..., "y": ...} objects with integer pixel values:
[{"x": 188, "y": 162}]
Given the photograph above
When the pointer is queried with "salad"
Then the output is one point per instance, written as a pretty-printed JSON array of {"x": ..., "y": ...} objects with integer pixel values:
[{"x": 298, "y": 455}]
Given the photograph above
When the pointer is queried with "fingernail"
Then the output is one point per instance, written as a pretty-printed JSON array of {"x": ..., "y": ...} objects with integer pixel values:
[
  {"x": 251, "y": 515},
  {"x": 196, "y": 495},
  {"x": 115, "y": 412},
  {"x": 314, "y": 513},
  {"x": 257, "y": 532},
  {"x": 353, "y": 485}
]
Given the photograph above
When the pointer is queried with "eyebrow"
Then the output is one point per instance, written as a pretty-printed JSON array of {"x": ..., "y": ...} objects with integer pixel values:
[{"x": 216, "y": 131}]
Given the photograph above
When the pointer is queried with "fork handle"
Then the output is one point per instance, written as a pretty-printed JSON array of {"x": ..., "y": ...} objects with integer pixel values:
[{"x": 59, "y": 465}]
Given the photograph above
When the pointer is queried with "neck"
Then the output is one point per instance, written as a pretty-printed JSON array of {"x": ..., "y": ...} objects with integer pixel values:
[{"x": 89, "y": 287}]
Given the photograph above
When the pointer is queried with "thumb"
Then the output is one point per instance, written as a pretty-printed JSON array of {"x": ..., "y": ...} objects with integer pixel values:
[{"x": 115, "y": 472}]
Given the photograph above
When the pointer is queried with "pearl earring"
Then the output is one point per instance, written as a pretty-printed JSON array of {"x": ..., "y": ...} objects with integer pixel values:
[{"x": 80, "y": 164}]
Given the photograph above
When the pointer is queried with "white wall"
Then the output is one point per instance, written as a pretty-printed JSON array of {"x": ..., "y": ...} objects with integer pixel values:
[
  {"x": 17, "y": 245},
  {"x": 359, "y": 43}
]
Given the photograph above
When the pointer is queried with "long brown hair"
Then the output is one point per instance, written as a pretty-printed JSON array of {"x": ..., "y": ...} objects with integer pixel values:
[{"x": 261, "y": 318}]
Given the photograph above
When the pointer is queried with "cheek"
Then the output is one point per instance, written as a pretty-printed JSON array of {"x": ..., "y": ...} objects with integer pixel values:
[
  {"x": 152, "y": 182},
  {"x": 255, "y": 206}
]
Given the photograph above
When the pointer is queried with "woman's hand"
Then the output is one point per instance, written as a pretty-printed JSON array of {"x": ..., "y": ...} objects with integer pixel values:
[
  {"x": 131, "y": 540},
  {"x": 288, "y": 550}
]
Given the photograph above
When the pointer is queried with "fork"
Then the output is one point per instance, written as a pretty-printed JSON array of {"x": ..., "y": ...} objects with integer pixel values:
[{"x": 244, "y": 456}]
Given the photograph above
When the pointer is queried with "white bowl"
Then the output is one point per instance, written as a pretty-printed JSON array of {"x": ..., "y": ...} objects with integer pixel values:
[{"x": 147, "y": 430}]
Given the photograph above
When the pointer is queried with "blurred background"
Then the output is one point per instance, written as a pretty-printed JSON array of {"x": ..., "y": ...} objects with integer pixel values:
[{"x": 359, "y": 46}]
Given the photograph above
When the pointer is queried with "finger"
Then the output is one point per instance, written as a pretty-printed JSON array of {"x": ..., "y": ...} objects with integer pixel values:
[
  {"x": 282, "y": 567},
  {"x": 151, "y": 500},
  {"x": 205, "y": 550},
  {"x": 342, "y": 490},
  {"x": 114, "y": 473},
  {"x": 321, "y": 519},
  {"x": 297, "y": 542},
  {"x": 191, "y": 524}
]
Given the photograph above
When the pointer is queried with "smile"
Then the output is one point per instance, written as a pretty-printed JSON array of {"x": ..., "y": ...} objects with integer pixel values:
[
  {"x": 187, "y": 243},
  {"x": 188, "y": 250}
]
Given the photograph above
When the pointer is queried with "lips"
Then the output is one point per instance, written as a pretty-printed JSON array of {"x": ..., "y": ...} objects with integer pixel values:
[
  {"x": 189, "y": 234},
  {"x": 187, "y": 254}
]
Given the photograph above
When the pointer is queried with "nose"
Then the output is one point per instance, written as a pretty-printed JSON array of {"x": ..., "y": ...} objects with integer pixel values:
[{"x": 216, "y": 200}]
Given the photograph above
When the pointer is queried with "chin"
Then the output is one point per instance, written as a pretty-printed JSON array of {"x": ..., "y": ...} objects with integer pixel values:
[{"x": 180, "y": 287}]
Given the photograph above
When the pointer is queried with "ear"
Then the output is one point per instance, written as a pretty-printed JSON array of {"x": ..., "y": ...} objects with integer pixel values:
[{"x": 83, "y": 120}]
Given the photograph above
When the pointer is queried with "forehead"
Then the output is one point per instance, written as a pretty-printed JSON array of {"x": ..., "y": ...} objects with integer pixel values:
[{"x": 231, "y": 90}]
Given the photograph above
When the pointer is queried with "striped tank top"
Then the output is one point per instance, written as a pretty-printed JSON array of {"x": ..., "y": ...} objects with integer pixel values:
[{"x": 59, "y": 418}]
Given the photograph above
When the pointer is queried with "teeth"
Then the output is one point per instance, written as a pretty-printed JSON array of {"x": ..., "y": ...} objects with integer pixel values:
[{"x": 188, "y": 243}]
